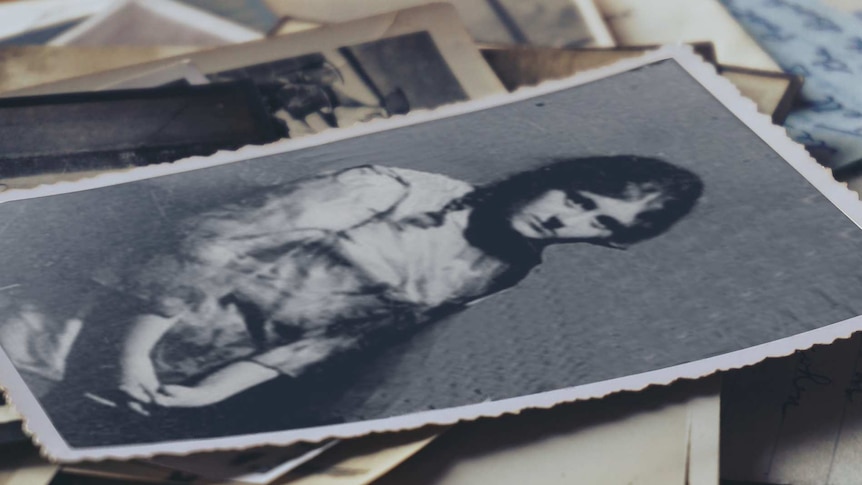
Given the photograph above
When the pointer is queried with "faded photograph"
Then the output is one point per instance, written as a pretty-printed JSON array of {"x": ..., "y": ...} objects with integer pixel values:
[
  {"x": 362, "y": 82},
  {"x": 500, "y": 253},
  {"x": 311, "y": 272},
  {"x": 355, "y": 76},
  {"x": 81, "y": 132}
]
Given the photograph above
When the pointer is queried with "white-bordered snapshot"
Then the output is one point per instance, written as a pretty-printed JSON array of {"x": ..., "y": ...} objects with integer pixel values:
[{"x": 630, "y": 226}]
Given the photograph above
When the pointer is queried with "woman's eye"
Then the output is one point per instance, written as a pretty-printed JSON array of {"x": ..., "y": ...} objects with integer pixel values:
[
  {"x": 577, "y": 200},
  {"x": 610, "y": 223}
]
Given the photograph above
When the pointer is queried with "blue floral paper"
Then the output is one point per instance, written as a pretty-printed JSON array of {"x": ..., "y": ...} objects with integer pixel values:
[{"x": 824, "y": 46}]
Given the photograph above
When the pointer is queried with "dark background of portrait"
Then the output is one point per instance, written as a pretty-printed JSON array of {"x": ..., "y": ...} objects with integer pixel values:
[{"x": 763, "y": 256}]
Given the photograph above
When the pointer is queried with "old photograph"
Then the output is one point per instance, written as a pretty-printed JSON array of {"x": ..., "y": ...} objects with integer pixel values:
[
  {"x": 373, "y": 68},
  {"x": 428, "y": 35},
  {"x": 429, "y": 266},
  {"x": 319, "y": 270},
  {"x": 549, "y": 23},
  {"x": 31, "y": 65},
  {"x": 352, "y": 84},
  {"x": 302, "y": 85},
  {"x": 80, "y": 132}
]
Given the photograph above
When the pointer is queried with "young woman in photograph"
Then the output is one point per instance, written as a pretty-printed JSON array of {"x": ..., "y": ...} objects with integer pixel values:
[
  {"x": 321, "y": 268},
  {"x": 282, "y": 282}
]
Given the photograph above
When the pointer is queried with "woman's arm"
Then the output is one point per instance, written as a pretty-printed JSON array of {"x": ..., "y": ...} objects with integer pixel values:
[
  {"x": 330, "y": 202},
  {"x": 137, "y": 376},
  {"x": 216, "y": 387},
  {"x": 291, "y": 360}
]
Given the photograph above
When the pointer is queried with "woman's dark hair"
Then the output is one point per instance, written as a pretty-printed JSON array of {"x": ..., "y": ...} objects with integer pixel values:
[{"x": 613, "y": 176}]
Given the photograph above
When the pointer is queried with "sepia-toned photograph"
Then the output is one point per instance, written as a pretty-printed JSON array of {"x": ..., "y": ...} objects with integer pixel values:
[
  {"x": 408, "y": 45},
  {"x": 352, "y": 84},
  {"x": 305, "y": 83},
  {"x": 428, "y": 266}
]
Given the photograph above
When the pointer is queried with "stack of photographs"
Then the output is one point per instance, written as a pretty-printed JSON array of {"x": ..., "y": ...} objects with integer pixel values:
[
  {"x": 296, "y": 85},
  {"x": 329, "y": 243}
]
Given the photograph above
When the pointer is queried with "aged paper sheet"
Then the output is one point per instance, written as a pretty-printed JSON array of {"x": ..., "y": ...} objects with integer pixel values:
[
  {"x": 796, "y": 419},
  {"x": 657, "y": 437},
  {"x": 635, "y": 22},
  {"x": 23, "y": 66}
]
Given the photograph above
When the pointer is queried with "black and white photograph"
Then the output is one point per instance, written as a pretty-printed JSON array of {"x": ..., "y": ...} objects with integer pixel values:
[{"x": 345, "y": 283}]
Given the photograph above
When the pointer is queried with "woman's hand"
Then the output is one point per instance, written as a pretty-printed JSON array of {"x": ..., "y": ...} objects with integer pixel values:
[
  {"x": 173, "y": 396},
  {"x": 216, "y": 387},
  {"x": 138, "y": 378}
]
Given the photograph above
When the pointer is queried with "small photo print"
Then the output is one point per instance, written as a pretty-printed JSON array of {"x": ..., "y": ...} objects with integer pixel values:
[
  {"x": 305, "y": 83},
  {"x": 352, "y": 84}
]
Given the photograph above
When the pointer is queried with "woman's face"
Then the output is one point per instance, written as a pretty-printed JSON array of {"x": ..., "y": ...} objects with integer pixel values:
[{"x": 556, "y": 214}]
